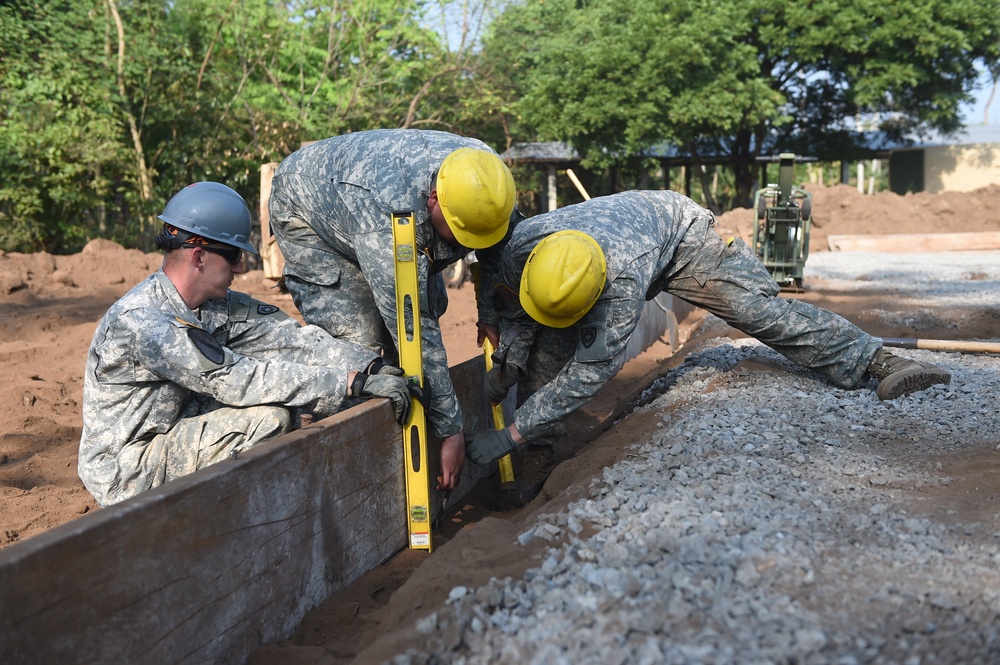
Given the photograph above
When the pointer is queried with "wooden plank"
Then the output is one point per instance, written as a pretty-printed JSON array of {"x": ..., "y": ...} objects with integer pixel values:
[
  {"x": 212, "y": 565},
  {"x": 914, "y": 242}
]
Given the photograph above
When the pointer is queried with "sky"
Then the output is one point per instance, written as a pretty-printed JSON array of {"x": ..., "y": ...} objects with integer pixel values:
[{"x": 973, "y": 113}]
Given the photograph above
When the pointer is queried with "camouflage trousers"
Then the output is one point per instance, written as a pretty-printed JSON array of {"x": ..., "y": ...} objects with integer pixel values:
[
  {"x": 211, "y": 434},
  {"x": 728, "y": 280},
  {"x": 346, "y": 310}
]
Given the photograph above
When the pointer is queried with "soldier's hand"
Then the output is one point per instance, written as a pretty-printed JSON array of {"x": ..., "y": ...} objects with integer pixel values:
[
  {"x": 384, "y": 385},
  {"x": 486, "y": 331},
  {"x": 498, "y": 381},
  {"x": 452, "y": 461},
  {"x": 486, "y": 445}
]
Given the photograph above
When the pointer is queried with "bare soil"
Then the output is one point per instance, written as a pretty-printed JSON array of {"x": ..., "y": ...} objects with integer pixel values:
[{"x": 50, "y": 306}]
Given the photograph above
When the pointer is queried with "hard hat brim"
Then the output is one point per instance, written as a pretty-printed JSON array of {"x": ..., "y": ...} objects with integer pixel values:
[
  {"x": 471, "y": 240},
  {"x": 544, "y": 318}
]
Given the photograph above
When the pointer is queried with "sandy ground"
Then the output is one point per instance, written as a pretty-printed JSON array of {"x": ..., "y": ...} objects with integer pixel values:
[{"x": 50, "y": 305}]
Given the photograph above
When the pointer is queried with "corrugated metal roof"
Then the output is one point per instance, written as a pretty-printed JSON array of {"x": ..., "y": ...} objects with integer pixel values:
[
  {"x": 555, "y": 152},
  {"x": 968, "y": 135}
]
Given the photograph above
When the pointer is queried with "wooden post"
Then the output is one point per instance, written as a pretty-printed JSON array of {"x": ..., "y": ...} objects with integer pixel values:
[
  {"x": 270, "y": 253},
  {"x": 553, "y": 204},
  {"x": 579, "y": 185}
]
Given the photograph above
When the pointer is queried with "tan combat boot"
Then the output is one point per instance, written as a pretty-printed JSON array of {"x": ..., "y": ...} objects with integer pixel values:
[{"x": 901, "y": 376}]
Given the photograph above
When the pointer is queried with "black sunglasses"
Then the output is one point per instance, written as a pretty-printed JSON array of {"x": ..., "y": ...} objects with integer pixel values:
[{"x": 232, "y": 255}]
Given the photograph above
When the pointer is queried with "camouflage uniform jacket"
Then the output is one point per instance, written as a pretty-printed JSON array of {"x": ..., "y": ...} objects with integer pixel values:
[
  {"x": 657, "y": 241},
  {"x": 345, "y": 189},
  {"x": 639, "y": 232},
  {"x": 152, "y": 359}
]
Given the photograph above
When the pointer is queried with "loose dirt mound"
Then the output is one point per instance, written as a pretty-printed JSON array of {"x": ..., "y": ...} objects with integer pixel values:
[
  {"x": 843, "y": 210},
  {"x": 50, "y": 306}
]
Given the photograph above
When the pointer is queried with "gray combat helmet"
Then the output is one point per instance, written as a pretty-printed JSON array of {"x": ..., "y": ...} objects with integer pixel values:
[{"x": 211, "y": 210}]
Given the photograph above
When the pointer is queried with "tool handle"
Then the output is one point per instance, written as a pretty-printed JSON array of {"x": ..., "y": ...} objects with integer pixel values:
[
  {"x": 942, "y": 345},
  {"x": 504, "y": 463}
]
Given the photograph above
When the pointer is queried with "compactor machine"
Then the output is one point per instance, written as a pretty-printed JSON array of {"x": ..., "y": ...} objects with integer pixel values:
[{"x": 781, "y": 224}]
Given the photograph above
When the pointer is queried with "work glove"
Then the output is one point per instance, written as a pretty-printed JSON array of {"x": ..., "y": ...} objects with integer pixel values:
[
  {"x": 499, "y": 380},
  {"x": 379, "y": 366},
  {"x": 384, "y": 385},
  {"x": 486, "y": 445}
]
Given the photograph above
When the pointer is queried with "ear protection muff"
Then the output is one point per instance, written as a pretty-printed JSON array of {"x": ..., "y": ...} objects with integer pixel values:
[{"x": 168, "y": 241}]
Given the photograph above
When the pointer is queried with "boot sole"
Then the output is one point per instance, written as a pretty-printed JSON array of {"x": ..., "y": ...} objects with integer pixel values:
[{"x": 905, "y": 383}]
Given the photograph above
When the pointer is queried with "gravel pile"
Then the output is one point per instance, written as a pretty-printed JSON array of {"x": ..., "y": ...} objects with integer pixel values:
[{"x": 773, "y": 518}]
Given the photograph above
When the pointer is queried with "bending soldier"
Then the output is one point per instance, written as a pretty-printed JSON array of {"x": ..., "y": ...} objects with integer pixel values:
[
  {"x": 330, "y": 209},
  {"x": 574, "y": 284}
]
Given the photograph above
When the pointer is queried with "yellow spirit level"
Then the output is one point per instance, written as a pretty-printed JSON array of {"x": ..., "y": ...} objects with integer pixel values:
[{"x": 418, "y": 514}]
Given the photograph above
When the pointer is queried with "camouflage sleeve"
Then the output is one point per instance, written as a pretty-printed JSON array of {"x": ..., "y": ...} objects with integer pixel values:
[
  {"x": 517, "y": 335},
  {"x": 375, "y": 257},
  {"x": 600, "y": 353},
  {"x": 190, "y": 357},
  {"x": 262, "y": 331}
]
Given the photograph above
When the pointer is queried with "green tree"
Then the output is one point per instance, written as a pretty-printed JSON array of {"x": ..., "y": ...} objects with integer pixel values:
[
  {"x": 740, "y": 77},
  {"x": 58, "y": 133},
  {"x": 111, "y": 106},
  {"x": 465, "y": 91}
]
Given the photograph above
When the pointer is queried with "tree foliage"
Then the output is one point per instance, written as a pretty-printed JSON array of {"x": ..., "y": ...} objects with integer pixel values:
[
  {"x": 108, "y": 107},
  {"x": 741, "y": 77},
  {"x": 111, "y": 106}
]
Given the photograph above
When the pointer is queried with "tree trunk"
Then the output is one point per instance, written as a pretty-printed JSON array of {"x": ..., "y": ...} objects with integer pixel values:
[{"x": 144, "y": 179}]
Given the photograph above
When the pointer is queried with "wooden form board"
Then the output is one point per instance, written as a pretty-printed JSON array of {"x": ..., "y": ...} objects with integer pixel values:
[
  {"x": 208, "y": 567},
  {"x": 914, "y": 242}
]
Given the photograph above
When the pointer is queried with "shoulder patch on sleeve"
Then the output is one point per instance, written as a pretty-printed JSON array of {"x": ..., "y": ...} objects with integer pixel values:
[
  {"x": 239, "y": 306},
  {"x": 208, "y": 345},
  {"x": 593, "y": 345},
  {"x": 266, "y": 310}
]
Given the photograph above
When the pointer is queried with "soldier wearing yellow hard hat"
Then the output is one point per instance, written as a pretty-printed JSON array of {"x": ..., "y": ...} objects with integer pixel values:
[
  {"x": 331, "y": 206},
  {"x": 575, "y": 283}
]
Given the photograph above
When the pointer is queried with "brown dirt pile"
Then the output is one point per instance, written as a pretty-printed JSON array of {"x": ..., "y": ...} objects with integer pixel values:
[{"x": 50, "y": 306}]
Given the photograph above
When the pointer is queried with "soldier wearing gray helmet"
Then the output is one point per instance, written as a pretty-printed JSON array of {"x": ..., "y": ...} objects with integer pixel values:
[{"x": 182, "y": 372}]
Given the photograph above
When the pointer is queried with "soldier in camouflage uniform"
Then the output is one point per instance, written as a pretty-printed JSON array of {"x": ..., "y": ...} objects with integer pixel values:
[
  {"x": 575, "y": 280},
  {"x": 330, "y": 209},
  {"x": 183, "y": 373}
]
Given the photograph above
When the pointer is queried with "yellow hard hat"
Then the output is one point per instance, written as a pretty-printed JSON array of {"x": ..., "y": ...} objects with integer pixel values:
[
  {"x": 476, "y": 192},
  {"x": 563, "y": 278}
]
